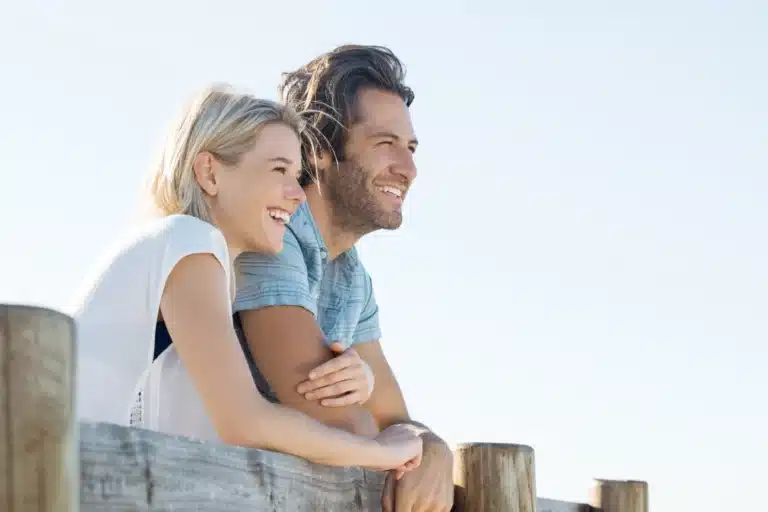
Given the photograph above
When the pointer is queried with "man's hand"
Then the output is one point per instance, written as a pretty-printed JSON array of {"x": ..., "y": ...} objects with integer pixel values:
[{"x": 429, "y": 487}]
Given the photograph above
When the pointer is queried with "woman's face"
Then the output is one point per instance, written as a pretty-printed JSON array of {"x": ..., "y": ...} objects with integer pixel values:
[{"x": 256, "y": 197}]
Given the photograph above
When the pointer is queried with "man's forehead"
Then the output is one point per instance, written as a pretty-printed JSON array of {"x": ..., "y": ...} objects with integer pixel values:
[
  {"x": 373, "y": 103},
  {"x": 386, "y": 122}
]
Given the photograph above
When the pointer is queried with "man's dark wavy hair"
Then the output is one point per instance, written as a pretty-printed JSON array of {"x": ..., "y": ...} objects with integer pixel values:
[{"x": 325, "y": 92}]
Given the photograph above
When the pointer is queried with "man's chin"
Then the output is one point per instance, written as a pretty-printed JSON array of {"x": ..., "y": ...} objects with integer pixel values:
[{"x": 389, "y": 222}]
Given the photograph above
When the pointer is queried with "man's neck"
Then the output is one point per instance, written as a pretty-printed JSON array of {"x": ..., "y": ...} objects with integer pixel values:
[{"x": 335, "y": 238}]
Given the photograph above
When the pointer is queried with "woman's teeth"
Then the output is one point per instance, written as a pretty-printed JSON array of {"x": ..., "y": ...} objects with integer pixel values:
[{"x": 279, "y": 215}]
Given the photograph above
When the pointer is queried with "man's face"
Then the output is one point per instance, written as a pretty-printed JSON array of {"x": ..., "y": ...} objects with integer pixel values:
[{"x": 368, "y": 188}]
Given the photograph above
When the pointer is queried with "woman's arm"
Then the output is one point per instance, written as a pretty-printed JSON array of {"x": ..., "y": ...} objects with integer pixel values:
[{"x": 195, "y": 308}]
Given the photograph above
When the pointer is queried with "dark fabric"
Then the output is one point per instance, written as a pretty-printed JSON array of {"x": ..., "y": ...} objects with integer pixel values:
[{"x": 163, "y": 341}]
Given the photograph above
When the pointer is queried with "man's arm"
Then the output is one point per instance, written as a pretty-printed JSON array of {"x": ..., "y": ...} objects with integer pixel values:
[
  {"x": 286, "y": 343},
  {"x": 387, "y": 403},
  {"x": 277, "y": 315},
  {"x": 431, "y": 484}
]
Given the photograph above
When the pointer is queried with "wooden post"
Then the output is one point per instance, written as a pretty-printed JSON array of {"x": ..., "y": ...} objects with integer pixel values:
[
  {"x": 494, "y": 477},
  {"x": 620, "y": 496},
  {"x": 38, "y": 437}
]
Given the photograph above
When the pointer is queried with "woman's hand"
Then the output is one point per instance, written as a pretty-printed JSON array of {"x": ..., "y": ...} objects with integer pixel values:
[
  {"x": 344, "y": 380},
  {"x": 403, "y": 449}
]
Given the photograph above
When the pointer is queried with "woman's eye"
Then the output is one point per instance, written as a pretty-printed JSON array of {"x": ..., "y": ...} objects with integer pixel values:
[{"x": 281, "y": 170}]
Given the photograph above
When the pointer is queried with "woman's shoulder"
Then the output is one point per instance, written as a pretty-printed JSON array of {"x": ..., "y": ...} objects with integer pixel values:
[
  {"x": 185, "y": 232},
  {"x": 181, "y": 225},
  {"x": 183, "y": 235}
]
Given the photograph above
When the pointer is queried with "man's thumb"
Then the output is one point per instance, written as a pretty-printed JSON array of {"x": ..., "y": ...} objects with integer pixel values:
[{"x": 337, "y": 347}]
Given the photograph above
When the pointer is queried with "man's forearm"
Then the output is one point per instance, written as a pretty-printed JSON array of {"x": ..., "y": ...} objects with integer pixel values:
[{"x": 356, "y": 421}]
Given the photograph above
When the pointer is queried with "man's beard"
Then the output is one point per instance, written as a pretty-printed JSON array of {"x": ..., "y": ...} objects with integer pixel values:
[{"x": 354, "y": 205}]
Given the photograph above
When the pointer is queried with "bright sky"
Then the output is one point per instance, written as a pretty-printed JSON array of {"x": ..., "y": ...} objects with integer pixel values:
[{"x": 583, "y": 263}]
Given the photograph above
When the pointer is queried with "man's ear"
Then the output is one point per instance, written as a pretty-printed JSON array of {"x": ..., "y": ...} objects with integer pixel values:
[
  {"x": 319, "y": 164},
  {"x": 205, "y": 175}
]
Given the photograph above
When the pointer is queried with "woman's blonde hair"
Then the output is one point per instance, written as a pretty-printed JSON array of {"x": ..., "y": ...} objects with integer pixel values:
[{"x": 220, "y": 121}]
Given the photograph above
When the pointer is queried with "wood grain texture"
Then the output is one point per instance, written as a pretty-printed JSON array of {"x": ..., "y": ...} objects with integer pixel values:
[
  {"x": 620, "y": 496},
  {"x": 124, "y": 469},
  {"x": 494, "y": 477},
  {"x": 38, "y": 434}
]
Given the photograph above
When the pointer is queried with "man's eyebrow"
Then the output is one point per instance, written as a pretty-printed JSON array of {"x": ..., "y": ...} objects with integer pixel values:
[{"x": 390, "y": 135}]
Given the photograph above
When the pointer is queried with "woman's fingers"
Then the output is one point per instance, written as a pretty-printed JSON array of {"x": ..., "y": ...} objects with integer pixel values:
[
  {"x": 349, "y": 357},
  {"x": 336, "y": 389},
  {"x": 355, "y": 373},
  {"x": 350, "y": 398},
  {"x": 344, "y": 380}
]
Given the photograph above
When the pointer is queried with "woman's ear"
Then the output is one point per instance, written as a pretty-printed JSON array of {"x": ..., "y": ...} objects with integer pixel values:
[{"x": 205, "y": 175}]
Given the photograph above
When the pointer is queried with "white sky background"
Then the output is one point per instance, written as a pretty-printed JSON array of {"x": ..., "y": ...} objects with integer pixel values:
[{"x": 583, "y": 263}]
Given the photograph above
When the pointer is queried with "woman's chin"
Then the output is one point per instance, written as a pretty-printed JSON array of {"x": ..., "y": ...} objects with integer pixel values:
[
  {"x": 266, "y": 245},
  {"x": 275, "y": 248},
  {"x": 274, "y": 245}
]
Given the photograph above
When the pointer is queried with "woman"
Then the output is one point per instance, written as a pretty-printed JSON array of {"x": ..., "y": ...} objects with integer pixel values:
[{"x": 226, "y": 182}]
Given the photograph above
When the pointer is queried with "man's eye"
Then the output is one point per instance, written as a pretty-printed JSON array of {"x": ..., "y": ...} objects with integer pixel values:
[{"x": 281, "y": 170}]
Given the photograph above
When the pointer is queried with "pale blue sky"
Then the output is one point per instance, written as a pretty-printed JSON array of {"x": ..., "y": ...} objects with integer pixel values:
[{"x": 583, "y": 263}]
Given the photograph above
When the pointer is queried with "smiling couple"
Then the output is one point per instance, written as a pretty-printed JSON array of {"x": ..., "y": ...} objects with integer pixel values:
[{"x": 242, "y": 312}]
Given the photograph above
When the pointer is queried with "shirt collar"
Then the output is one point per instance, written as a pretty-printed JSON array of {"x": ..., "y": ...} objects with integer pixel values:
[{"x": 304, "y": 227}]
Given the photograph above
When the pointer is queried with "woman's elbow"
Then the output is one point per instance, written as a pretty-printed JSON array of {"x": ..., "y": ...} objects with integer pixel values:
[{"x": 245, "y": 431}]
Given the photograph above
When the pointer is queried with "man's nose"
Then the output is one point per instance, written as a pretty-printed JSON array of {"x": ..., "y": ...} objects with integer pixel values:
[{"x": 406, "y": 167}]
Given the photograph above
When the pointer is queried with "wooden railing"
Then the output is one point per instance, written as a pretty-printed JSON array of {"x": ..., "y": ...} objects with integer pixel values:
[{"x": 50, "y": 463}]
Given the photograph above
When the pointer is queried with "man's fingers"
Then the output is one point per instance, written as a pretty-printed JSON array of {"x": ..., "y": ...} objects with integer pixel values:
[
  {"x": 388, "y": 494},
  {"x": 336, "y": 347},
  {"x": 348, "y": 399}
]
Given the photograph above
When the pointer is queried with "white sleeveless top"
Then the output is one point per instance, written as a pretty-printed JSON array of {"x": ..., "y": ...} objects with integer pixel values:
[{"x": 116, "y": 319}]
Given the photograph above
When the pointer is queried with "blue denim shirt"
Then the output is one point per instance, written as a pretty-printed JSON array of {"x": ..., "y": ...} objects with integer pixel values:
[{"x": 338, "y": 292}]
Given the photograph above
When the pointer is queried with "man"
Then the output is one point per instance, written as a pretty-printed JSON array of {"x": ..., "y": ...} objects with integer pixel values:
[{"x": 290, "y": 307}]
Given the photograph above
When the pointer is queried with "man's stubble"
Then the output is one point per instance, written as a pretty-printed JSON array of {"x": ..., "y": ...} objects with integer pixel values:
[{"x": 354, "y": 205}]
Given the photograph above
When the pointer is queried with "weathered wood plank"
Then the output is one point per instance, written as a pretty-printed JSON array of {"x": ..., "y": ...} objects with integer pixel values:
[
  {"x": 620, "y": 496},
  {"x": 493, "y": 477},
  {"x": 38, "y": 443},
  {"x": 126, "y": 469}
]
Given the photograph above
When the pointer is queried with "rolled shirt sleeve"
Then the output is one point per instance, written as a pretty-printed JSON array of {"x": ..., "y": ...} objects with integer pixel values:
[
  {"x": 274, "y": 279},
  {"x": 368, "y": 328}
]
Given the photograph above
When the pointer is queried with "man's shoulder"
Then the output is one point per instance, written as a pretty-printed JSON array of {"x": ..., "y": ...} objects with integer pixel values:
[
  {"x": 287, "y": 278},
  {"x": 356, "y": 265},
  {"x": 302, "y": 229},
  {"x": 294, "y": 253}
]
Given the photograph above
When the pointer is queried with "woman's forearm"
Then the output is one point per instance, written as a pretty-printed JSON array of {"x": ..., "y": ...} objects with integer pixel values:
[{"x": 281, "y": 429}]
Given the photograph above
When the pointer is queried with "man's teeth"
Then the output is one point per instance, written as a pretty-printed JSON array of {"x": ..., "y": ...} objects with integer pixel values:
[
  {"x": 280, "y": 215},
  {"x": 392, "y": 190}
]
